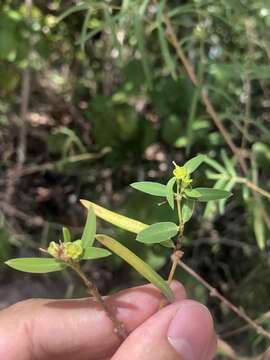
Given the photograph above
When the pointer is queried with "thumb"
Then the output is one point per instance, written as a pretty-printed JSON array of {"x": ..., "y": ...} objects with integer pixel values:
[{"x": 183, "y": 330}]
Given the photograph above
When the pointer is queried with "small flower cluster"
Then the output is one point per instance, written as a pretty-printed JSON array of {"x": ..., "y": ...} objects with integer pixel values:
[
  {"x": 181, "y": 174},
  {"x": 66, "y": 250}
]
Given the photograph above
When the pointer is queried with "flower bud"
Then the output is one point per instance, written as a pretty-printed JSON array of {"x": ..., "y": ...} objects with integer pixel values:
[{"x": 53, "y": 249}]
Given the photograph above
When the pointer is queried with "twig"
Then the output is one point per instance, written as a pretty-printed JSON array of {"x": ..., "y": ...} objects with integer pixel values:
[
  {"x": 213, "y": 292},
  {"x": 119, "y": 328},
  {"x": 262, "y": 318}
]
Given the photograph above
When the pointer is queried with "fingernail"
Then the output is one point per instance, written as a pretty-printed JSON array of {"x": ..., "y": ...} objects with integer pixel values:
[{"x": 190, "y": 331}]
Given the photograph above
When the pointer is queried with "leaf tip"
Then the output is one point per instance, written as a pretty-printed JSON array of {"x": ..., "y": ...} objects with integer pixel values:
[{"x": 85, "y": 203}]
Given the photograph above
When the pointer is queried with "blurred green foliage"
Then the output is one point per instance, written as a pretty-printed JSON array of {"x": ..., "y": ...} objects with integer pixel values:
[{"x": 111, "y": 104}]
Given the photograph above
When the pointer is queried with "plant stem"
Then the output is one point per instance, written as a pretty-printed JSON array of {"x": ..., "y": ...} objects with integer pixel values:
[
  {"x": 215, "y": 293},
  {"x": 118, "y": 327},
  {"x": 176, "y": 256}
]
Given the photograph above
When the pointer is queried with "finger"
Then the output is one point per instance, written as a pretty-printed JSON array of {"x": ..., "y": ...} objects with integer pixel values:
[
  {"x": 183, "y": 330},
  {"x": 76, "y": 329},
  {"x": 212, "y": 348}
]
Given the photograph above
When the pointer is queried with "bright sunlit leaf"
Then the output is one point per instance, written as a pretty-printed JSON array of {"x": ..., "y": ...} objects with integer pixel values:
[
  {"x": 157, "y": 233},
  {"x": 139, "y": 265},
  {"x": 36, "y": 265},
  {"x": 121, "y": 221}
]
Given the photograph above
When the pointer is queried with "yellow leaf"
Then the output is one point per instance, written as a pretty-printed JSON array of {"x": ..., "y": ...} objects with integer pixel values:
[
  {"x": 138, "y": 264},
  {"x": 121, "y": 221}
]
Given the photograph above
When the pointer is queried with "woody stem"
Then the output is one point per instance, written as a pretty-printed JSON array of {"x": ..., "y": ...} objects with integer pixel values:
[{"x": 118, "y": 327}]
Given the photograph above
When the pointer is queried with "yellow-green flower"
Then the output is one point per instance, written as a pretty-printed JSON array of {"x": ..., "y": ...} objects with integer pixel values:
[
  {"x": 180, "y": 172},
  {"x": 186, "y": 181},
  {"x": 53, "y": 249},
  {"x": 73, "y": 250}
]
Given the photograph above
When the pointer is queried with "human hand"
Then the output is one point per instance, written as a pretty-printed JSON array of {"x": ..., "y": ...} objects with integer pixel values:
[{"x": 80, "y": 330}]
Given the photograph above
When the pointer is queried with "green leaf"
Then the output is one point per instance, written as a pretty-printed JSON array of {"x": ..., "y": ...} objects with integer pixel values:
[
  {"x": 194, "y": 163},
  {"x": 187, "y": 209},
  {"x": 208, "y": 194},
  {"x": 258, "y": 225},
  {"x": 92, "y": 253},
  {"x": 150, "y": 187},
  {"x": 36, "y": 265},
  {"x": 139, "y": 265},
  {"x": 168, "y": 244},
  {"x": 228, "y": 187},
  {"x": 170, "y": 192},
  {"x": 89, "y": 231},
  {"x": 121, "y": 221},
  {"x": 66, "y": 234},
  {"x": 192, "y": 193},
  {"x": 139, "y": 33},
  {"x": 215, "y": 165},
  {"x": 85, "y": 28},
  {"x": 72, "y": 10},
  {"x": 211, "y": 206},
  {"x": 165, "y": 51},
  {"x": 228, "y": 163},
  {"x": 157, "y": 233}
]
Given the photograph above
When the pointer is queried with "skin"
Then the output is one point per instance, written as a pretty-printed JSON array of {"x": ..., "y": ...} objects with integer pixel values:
[{"x": 79, "y": 330}]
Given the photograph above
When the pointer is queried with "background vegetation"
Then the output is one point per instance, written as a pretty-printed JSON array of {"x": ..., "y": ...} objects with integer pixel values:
[{"x": 111, "y": 94}]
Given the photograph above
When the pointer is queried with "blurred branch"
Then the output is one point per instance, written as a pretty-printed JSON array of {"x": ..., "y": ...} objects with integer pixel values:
[
  {"x": 172, "y": 38},
  {"x": 213, "y": 292},
  {"x": 226, "y": 349},
  {"x": 57, "y": 165}
]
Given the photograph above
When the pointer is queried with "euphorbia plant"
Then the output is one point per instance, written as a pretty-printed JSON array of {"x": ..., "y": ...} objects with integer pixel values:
[{"x": 178, "y": 193}]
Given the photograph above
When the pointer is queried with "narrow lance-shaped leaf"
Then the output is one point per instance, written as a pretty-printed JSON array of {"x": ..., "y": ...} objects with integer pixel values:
[
  {"x": 169, "y": 61},
  {"x": 208, "y": 194},
  {"x": 92, "y": 253},
  {"x": 258, "y": 224},
  {"x": 194, "y": 163},
  {"x": 89, "y": 231},
  {"x": 139, "y": 33},
  {"x": 36, "y": 265},
  {"x": 170, "y": 192},
  {"x": 228, "y": 163},
  {"x": 157, "y": 233},
  {"x": 211, "y": 206},
  {"x": 139, "y": 265},
  {"x": 228, "y": 187},
  {"x": 215, "y": 165},
  {"x": 72, "y": 10},
  {"x": 121, "y": 221},
  {"x": 66, "y": 234},
  {"x": 150, "y": 187}
]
